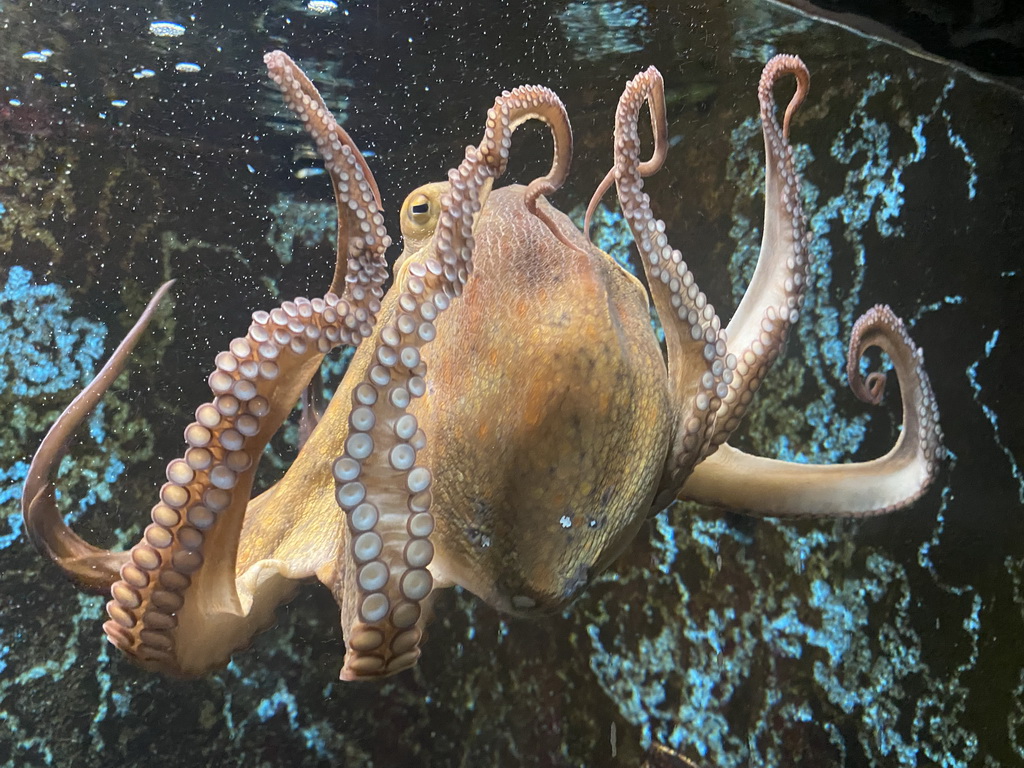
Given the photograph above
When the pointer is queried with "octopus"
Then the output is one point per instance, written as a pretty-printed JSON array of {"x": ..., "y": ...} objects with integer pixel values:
[{"x": 509, "y": 419}]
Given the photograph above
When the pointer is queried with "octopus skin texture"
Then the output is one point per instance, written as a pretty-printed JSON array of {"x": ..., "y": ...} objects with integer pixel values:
[{"x": 508, "y": 420}]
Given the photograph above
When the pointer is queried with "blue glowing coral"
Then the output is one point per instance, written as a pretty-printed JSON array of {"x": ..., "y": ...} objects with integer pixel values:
[
  {"x": 42, "y": 350},
  {"x": 812, "y": 623}
]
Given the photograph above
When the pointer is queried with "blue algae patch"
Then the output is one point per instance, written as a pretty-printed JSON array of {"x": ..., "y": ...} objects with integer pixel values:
[
  {"x": 992, "y": 416},
  {"x": 665, "y": 542},
  {"x": 5, "y": 651},
  {"x": 20, "y": 678},
  {"x": 42, "y": 351},
  {"x": 239, "y": 721},
  {"x": 801, "y": 547},
  {"x": 281, "y": 698},
  {"x": 105, "y": 683},
  {"x": 924, "y": 552},
  {"x": 955, "y": 140},
  {"x": 934, "y": 307},
  {"x": 1015, "y": 719},
  {"x": 600, "y": 29},
  {"x": 8, "y": 492},
  {"x": 755, "y": 34},
  {"x": 991, "y": 343},
  {"x": 680, "y": 685},
  {"x": 709, "y": 532}
]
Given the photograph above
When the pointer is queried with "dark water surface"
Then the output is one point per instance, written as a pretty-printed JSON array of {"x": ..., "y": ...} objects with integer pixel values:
[{"x": 131, "y": 157}]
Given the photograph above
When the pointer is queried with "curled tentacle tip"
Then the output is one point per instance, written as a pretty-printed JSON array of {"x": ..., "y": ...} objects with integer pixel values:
[
  {"x": 874, "y": 388},
  {"x": 273, "y": 59},
  {"x": 785, "y": 64},
  {"x": 779, "y": 65},
  {"x": 878, "y": 321},
  {"x": 868, "y": 389}
]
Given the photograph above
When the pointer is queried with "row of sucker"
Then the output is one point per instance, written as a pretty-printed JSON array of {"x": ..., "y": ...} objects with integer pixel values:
[
  {"x": 756, "y": 346},
  {"x": 921, "y": 432},
  {"x": 385, "y": 493},
  {"x": 362, "y": 238},
  {"x": 694, "y": 334},
  {"x": 225, "y": 440},
  {"x": 229, "y": 433}
]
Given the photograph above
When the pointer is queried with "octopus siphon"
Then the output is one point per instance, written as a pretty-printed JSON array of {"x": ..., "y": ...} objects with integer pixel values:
[{"x": 508, "y": 421}]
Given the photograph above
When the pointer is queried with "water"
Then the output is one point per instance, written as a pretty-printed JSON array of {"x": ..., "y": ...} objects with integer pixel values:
[{"x": 144, "y": 142}]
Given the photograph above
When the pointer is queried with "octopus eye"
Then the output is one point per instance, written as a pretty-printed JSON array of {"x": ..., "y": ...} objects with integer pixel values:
[
  {"x": 420, "y": 213},
  {"x": 419, "y": 210}
]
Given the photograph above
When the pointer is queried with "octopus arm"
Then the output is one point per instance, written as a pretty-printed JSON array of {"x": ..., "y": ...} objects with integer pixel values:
[
  {"x": 89, "y": 567},
  {"x": 693, "y": 331},
  {"x": 770, "y": 487},
  {"x": 362, "y": 239},
  {"x": 182, "y": 598},
  {"x": 178, "y": 606},
  {"x": 771, "y": 304},
  {"x": 382, "y": 580}
]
